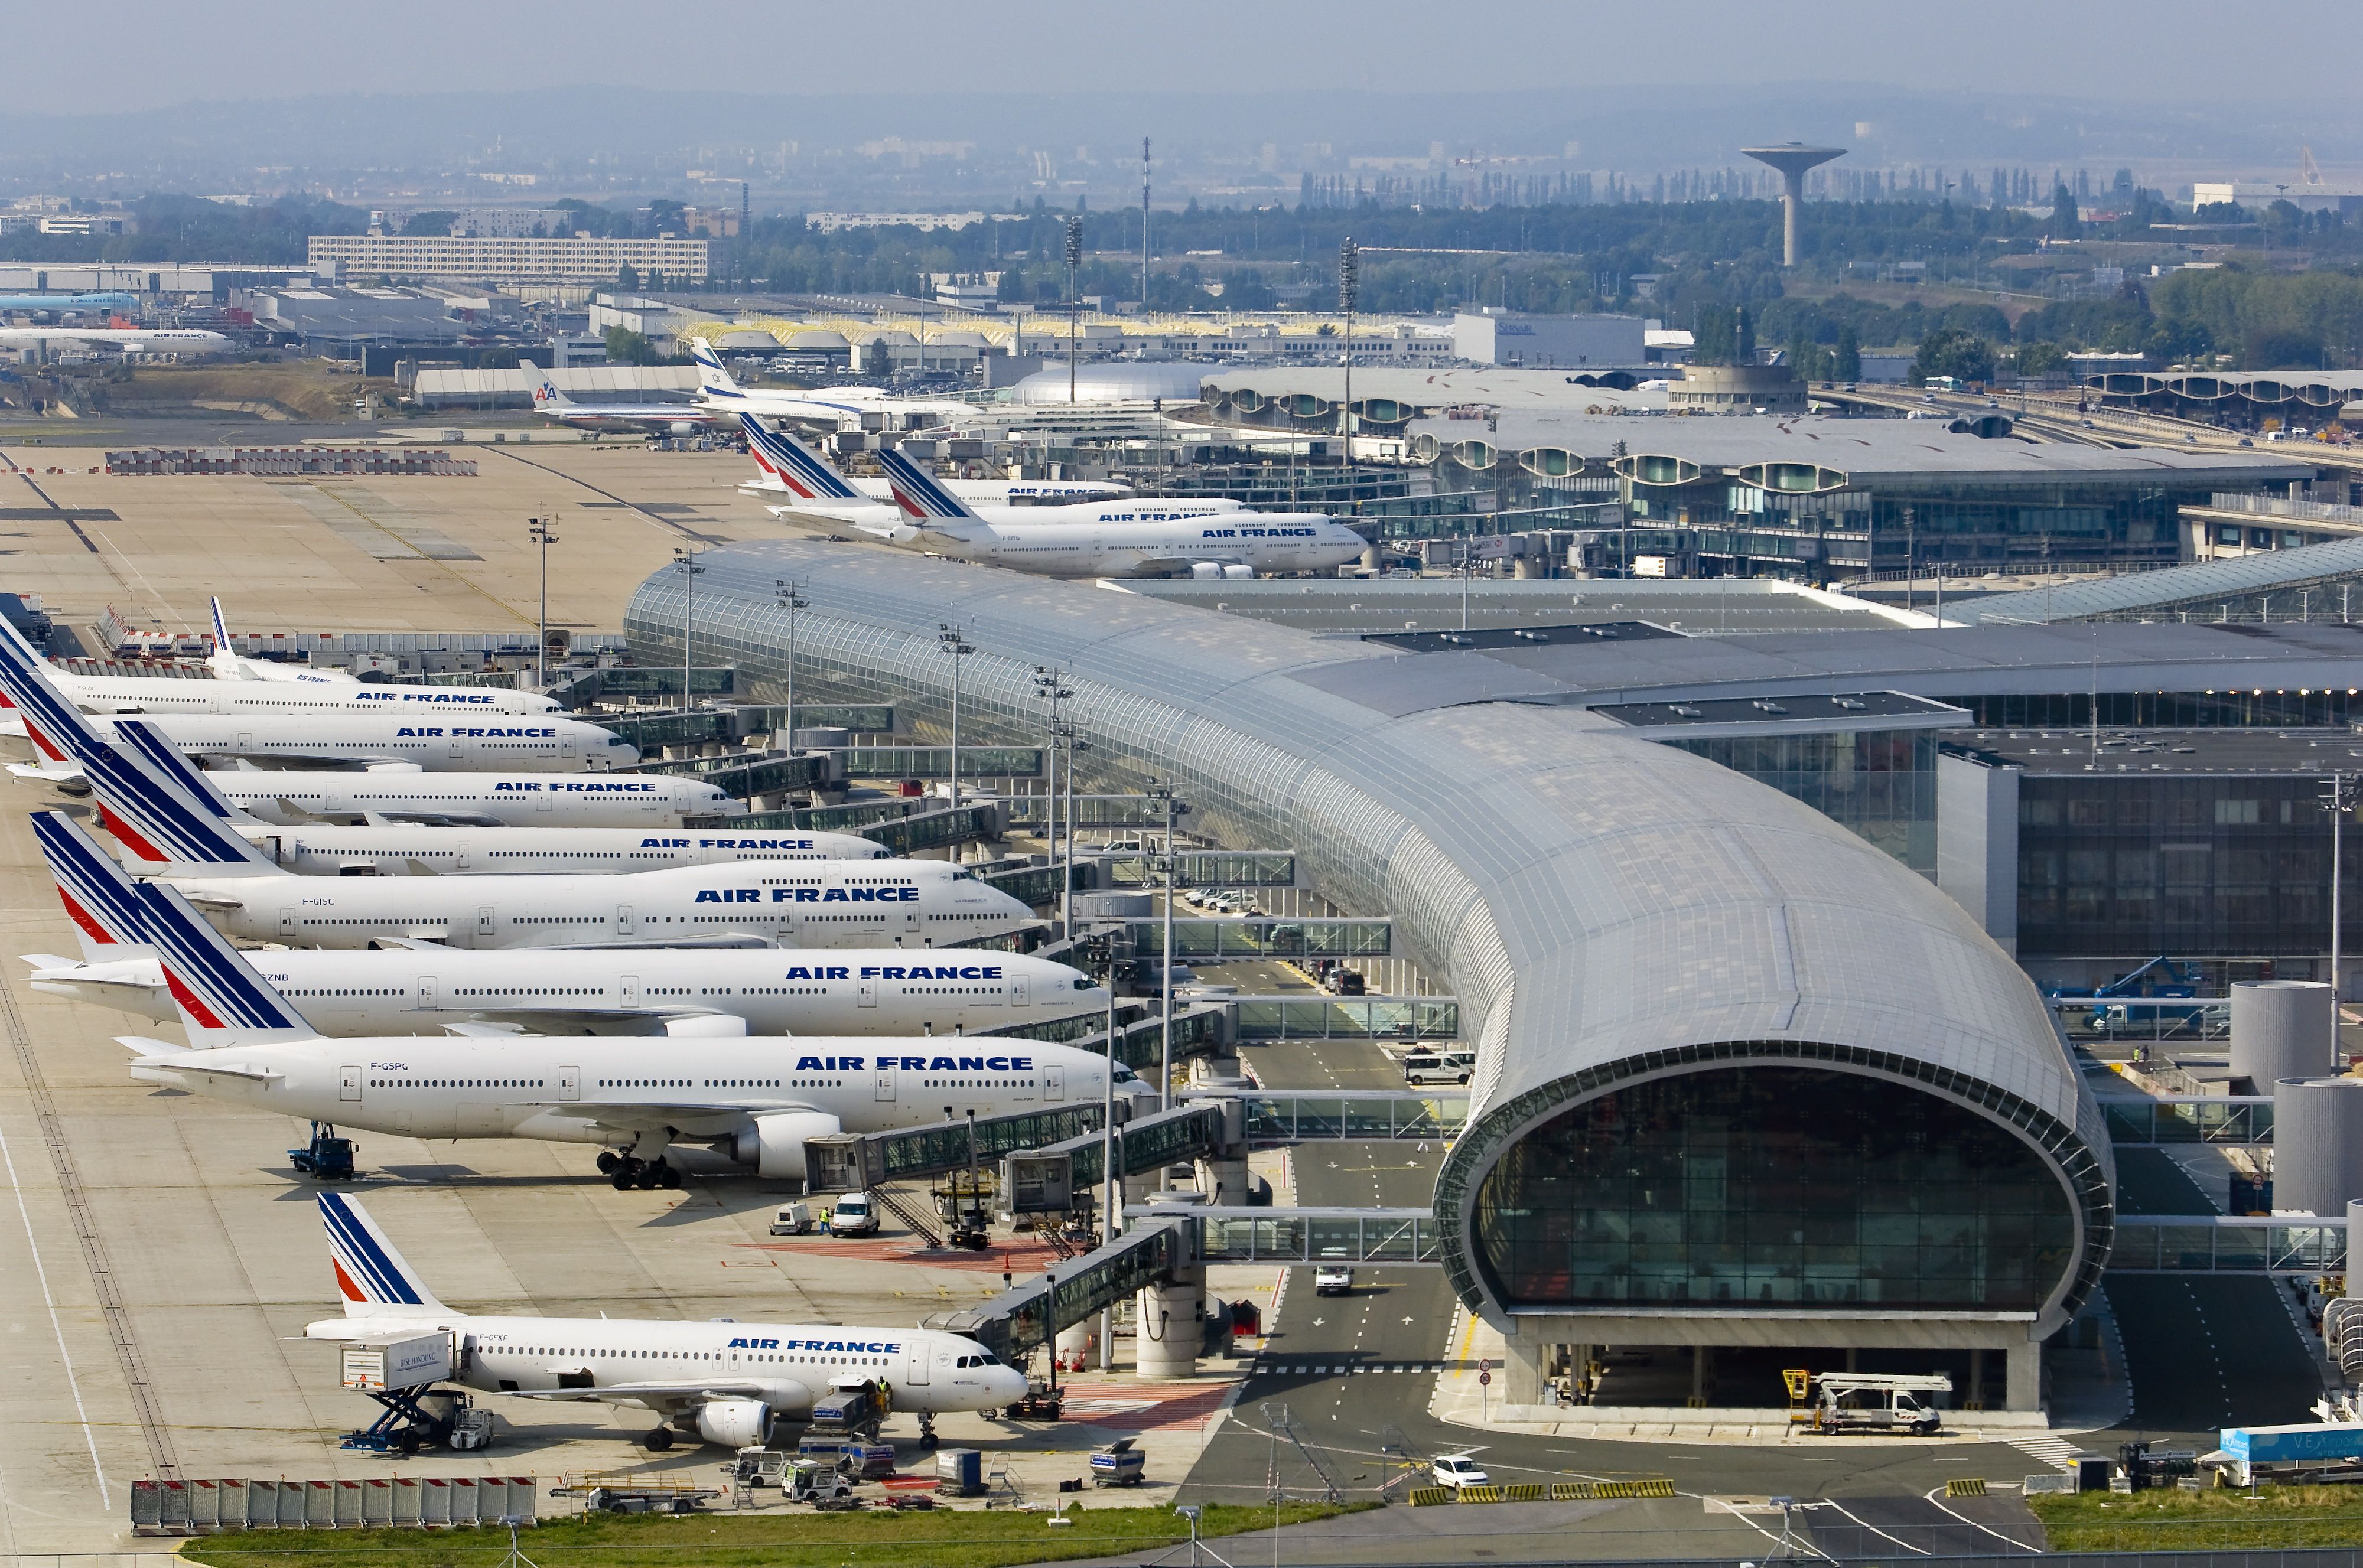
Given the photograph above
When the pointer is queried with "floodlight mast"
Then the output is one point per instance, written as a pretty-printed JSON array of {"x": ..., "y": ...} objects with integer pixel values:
[{"x": 1791, "y": 158}]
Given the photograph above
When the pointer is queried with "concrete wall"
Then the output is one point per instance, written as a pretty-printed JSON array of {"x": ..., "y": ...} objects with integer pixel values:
[{"x": 1977, "y": 842}]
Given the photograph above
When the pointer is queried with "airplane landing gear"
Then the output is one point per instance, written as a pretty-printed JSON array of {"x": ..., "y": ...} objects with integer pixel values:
[
  {"x": 608, "y": 1161},
  {"x": 928, "y": 1437},
  {"x": 659, "y": 1440},
  {"x": 646, "y": 1173}
]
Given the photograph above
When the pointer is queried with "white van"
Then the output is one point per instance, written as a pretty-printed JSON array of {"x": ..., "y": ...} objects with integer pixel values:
[
  {"x": 792, "y": 1219},
  {"x": 1452, "y": 1066},
  {"x": 853, "y": 1215}
]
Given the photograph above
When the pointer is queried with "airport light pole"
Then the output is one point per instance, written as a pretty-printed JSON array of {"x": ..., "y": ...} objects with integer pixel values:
[
  {"x": 1349, "y": 293},
  {"x": 791, "y": 599},
  {"x": 1051, "y": 686},
  {"x": 2339, "y": 800},
  {"x": 1175, "y": 810},
  {"x": 1076, "y": 746},
  {"x": 1074, "y": 295},
  {"x": 538, "y": 530},
  {"x": 685, "y": 561},
  {"x": 947, "y": 637}
]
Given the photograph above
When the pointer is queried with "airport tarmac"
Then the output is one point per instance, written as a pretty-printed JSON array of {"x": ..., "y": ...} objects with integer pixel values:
[{"x": 376, "y": 553}]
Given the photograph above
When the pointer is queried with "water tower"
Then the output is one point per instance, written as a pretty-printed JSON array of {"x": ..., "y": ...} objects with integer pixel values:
[{"x": 1793, "y": 158}]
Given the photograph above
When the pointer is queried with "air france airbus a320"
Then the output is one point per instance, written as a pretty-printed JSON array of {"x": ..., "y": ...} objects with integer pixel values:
[
  {"x": 1234, "y": 543},
  {"x": 718, "y": 1381}
]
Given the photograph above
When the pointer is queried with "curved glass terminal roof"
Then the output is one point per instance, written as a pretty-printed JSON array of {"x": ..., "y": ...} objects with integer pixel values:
[{"x": 1609, "y": 910}]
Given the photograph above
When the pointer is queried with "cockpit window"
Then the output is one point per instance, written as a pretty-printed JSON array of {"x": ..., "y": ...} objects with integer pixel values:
[{"x": 963, "y": 875}]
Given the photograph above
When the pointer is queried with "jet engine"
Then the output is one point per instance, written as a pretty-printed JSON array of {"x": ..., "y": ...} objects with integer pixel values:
[
  {"x": 734, "y": 1423},
  {"x": 1234, "y": 571},
  {"x": 707, "y": 1026},
  {"x": 776, "y": 1146}
]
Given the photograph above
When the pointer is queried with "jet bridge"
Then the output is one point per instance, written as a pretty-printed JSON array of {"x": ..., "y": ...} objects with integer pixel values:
[{"x": 1011, "y": 1324}]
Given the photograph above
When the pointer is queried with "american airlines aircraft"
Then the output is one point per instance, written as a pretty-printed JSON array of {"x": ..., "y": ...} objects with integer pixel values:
[
  {"x": 668, "y": 418},
  {"x": 751, "y": 1098},
  {"x": 719, "y": 1381},
  {"x": 421, "y": 989},
  {"x": 300, "y": 690},
  {"x": 1147, "y": 544},
  {"x": 162, "y": 808},
  {"x": 832, "y": 406},
  {"x": 792, "y": 469}
]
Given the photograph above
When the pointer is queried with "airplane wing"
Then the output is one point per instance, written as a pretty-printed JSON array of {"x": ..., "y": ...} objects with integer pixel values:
[
  {"x": 544, "y": 1019},
  {"x": 716, "y": 939},
  {"x": 780, "y": 1391},
  {"x": 177, "y": 1063}
]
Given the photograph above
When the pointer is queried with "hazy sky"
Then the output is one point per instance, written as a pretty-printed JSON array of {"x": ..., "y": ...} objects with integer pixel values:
[{"x": 142, "y": 54}]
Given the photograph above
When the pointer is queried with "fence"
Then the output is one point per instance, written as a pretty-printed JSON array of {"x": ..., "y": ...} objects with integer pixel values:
[
  {"x": 286, "y": 461},
  {"x": 208, "y": 1507}
]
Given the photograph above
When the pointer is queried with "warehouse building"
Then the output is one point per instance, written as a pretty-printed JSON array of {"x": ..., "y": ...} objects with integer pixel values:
[
  {"x": 1705, "y": 1113},
  {"x": 506, "y": 259}
]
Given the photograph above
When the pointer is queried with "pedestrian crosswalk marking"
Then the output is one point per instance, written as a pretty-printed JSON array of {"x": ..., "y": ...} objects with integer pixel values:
[{"x": 2058, "y": 1452}]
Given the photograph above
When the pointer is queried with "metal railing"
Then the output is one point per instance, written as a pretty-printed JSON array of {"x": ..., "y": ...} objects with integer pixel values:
[{"x": 1028, "y": 1314}]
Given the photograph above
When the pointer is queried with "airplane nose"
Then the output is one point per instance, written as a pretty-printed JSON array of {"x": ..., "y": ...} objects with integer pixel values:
[{"x": 1008, "y": 1384}]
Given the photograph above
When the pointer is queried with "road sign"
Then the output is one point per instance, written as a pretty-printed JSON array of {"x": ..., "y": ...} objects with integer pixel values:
[
  {"x": 1485, "y": 1365},
  {"x": 1484, "y": 1378}
]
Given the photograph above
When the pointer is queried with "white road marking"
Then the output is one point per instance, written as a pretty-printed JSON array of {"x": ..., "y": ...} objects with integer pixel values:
[{"x": 57, "y": 1326}]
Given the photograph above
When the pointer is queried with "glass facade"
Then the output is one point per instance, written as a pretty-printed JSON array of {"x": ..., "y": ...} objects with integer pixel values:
[
  {"x": 2314, "y": 708},
  {"x": 1778, "y": 1187},
  {"x": 2124, "y": 866},
  {"x": 1880, "y": 784}
]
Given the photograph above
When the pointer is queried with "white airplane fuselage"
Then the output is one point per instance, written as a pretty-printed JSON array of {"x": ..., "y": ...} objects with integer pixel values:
[
  {"x": 549, "y": 799},
  {"x": 430, "y": 742},
  {"x": 754, "y": 1098},
  {"x": 785, "y": 1366},
  {"x": 414, "y": 849},
  {"x": 825, "y": 903},
  {"x": 405, "y": 990},
  {"x": 290, "y": 689},
  {"x": 1234, "y": 543}
]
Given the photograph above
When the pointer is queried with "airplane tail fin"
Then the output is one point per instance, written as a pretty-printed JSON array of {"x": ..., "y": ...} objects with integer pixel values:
[
  {"x": 57, "y": 728},
  {"x": 923, "y": 498},
  {"x": 173, "y": 766},
  {"x": 715, "y": 381},
  {"x": 223, "y": 1001},
  {"x": 102, "y": 903},
  {"x": 372, "y": 1277},
  {"x": 224, "y": 660},
  {"x": 803, "y": 470},
  {"x": 166, "y": 832},
  {"x": 546, "y": 395}
]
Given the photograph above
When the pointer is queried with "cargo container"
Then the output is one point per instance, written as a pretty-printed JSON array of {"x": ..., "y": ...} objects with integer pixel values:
[{"x": 398, "y": 1363}]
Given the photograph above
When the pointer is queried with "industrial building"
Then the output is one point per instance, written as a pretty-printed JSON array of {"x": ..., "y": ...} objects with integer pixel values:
[
  {"x": 1705, "y": 1112},
  {"x": 504, "y": 259},
  {"x": 1549, "y": 342}
]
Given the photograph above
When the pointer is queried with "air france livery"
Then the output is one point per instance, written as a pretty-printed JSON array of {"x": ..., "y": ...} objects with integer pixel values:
[
  {"x": 749, "y": 1099},
  {"x": 832, "y": 406},
  {"x": 792, "y": 469},
  {"x": 452, "y": 742},
  {"x": 814, "y": 903},
  {"x": 1149, "y": 544},
  {"x": 299, "y": 691},
  {"x": 718, "y": 1381},
  {"x": 549, "y": 990},
  {"x": 161, "y": 809},
  {"x": 475, "y": 800}
]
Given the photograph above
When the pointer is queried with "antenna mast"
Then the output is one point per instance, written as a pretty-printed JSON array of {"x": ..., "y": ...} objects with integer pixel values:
[{"x": 1144, "y": 225}]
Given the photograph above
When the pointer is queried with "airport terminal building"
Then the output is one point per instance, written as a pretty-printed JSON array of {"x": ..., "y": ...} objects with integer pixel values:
[{"x": 1746, "y": 1078}]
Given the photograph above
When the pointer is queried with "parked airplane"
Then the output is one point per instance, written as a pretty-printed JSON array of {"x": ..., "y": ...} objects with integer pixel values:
[
  {"x": 109, "y": 302},
  {"x": 753, "y": 1100},
  {"x": 664, "y": 418},
  {"x": 158, "y": 804},
  {"x": 832, "y": 406},
  {"x": 297, "y": 691},
  {"x": 421, "y": 987},
  {"x": 790, "y": 467},
  {"x": 474, "y": 800},
  {"x": 1147, "y": 544},
  {"x": 129, "y": 339},
  {"x": 718, "y": 1381},
  {"x": 228, "y": 664},
  {"x": 366, "y": 739}
]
